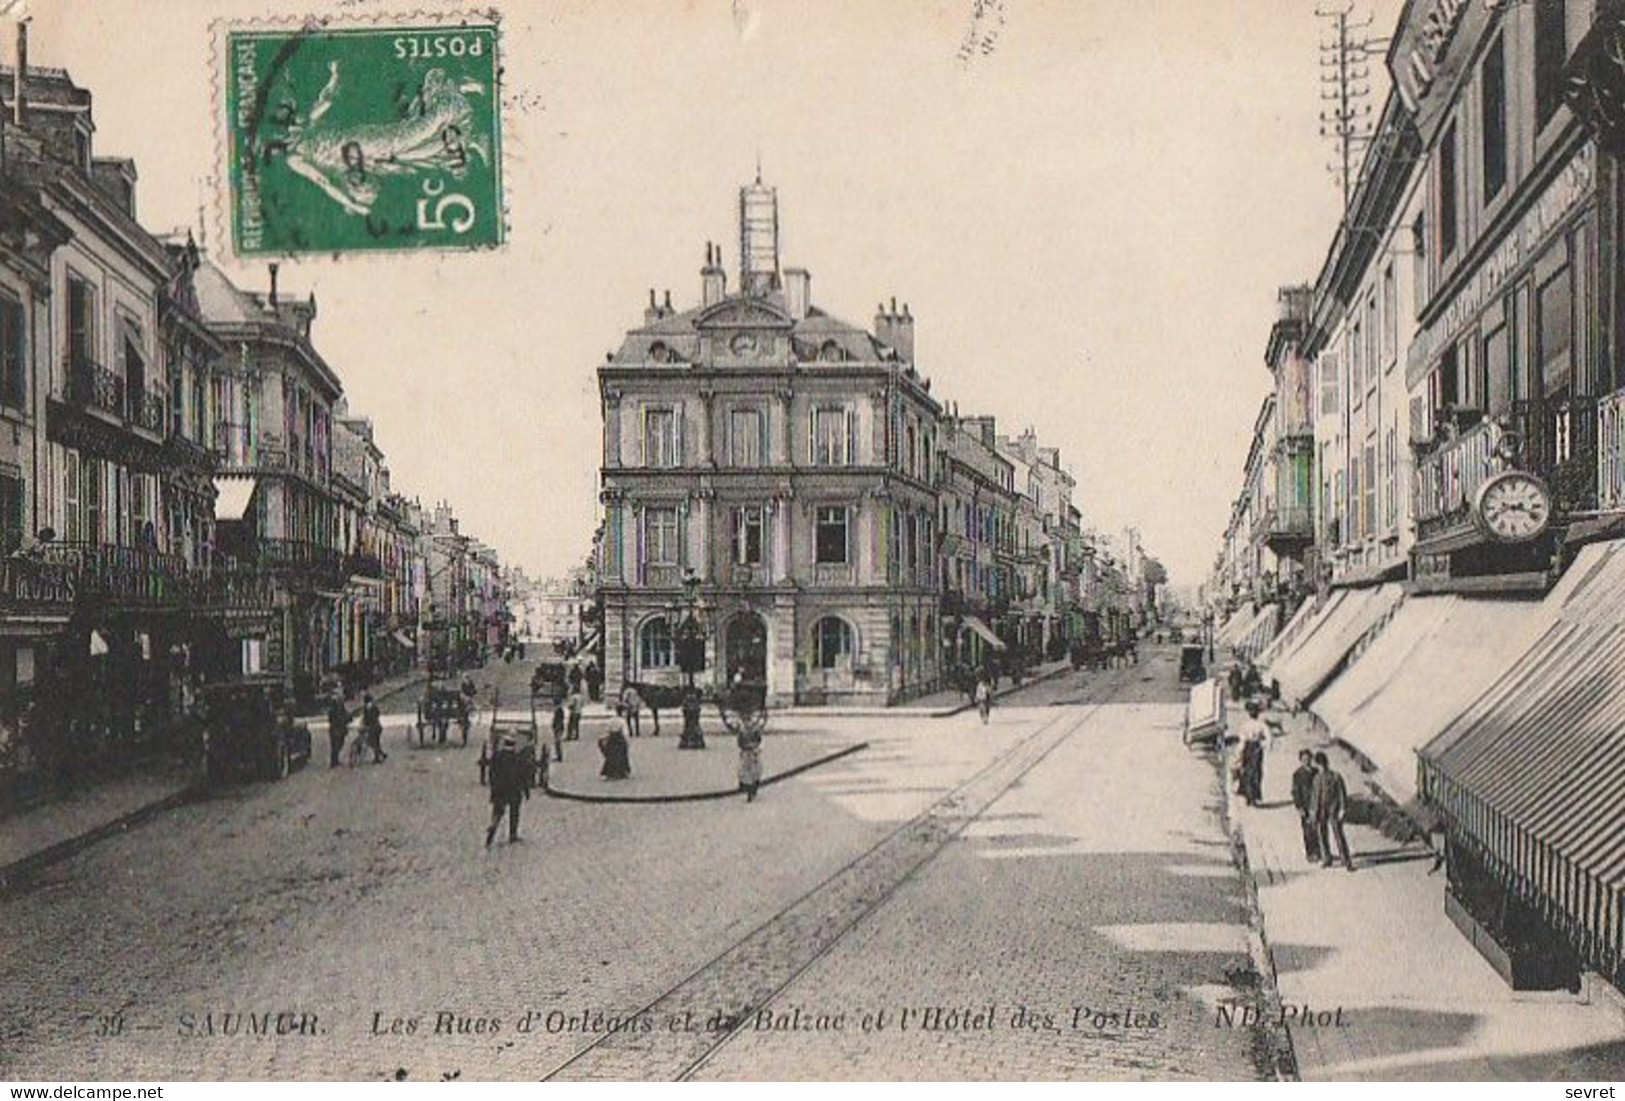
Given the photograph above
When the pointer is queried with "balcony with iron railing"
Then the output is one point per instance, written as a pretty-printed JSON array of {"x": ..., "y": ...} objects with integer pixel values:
[
  {"x": 300, "y": 555},
  {"x": 146, "y": 410},
  {"x": 1557, "y": 441},
  {"x": 122, "y": 575},
  {"x": 1286, "y": 526},
  {"x": 93, "y": 386}
]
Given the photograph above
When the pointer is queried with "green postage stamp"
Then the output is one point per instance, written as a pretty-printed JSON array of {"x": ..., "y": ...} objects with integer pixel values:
[{"x": 386, "y": 138}]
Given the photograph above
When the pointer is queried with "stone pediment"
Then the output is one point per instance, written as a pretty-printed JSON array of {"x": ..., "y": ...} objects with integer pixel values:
[{"x": 748, "y": 314}]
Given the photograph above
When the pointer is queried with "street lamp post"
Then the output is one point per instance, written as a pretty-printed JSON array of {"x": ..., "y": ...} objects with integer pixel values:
[{"x": 690, "y": 644}]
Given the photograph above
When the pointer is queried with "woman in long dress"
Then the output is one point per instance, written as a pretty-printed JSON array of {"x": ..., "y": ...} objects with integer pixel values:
[{"x": 750, "y": 762}]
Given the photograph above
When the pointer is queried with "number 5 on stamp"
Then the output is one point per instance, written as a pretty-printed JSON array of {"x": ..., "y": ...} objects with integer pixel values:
[{"x": 365, "y": 140}]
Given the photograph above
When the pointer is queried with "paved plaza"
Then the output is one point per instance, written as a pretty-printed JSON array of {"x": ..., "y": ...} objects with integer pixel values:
[{"x": 1066, "y": 858}]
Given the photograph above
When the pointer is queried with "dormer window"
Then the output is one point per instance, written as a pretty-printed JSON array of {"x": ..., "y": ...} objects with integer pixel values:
[
  {"x": 830, "y": 352},
  {"x": 659, "y": 353}
]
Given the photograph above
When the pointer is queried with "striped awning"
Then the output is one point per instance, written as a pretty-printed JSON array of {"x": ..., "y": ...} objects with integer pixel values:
[
  {"x": 1235, "y": 628},
  {"x": 1259, "y": 632},
  {"x": 1289, "y": 634},
  {"x": 1308, "y": 668},
  {"x": 1532, "y": 774}
]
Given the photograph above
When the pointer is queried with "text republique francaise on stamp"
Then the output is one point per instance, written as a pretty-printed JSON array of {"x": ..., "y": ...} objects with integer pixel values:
[{"x": 377, "y": 138}]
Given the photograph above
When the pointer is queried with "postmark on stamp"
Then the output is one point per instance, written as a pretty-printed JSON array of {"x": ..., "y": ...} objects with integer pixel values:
[{"x": 383, "y": 138}]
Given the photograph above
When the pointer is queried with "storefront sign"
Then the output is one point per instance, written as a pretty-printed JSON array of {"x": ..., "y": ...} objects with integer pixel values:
[
  {"x": 1419, "y": 65},
  {"x": 1516, "y": 251}
]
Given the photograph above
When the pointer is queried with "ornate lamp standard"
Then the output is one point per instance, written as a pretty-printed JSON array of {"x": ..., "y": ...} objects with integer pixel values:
[{"x": 689, "y": 639}]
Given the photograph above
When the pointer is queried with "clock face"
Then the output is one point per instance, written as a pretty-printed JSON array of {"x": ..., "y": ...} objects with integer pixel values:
[
  {"x": 744, "y": 344},
  {"x": 1514, "y": 507}
]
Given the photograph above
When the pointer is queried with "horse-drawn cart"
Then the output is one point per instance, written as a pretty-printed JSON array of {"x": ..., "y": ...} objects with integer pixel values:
[{"x": 438, "y": 709}]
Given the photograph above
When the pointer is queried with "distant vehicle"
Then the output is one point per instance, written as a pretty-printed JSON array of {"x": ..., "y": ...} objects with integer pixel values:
[
  {"x": 550, "y": 680},
  {"x": 241, "y": 738},
  {"x": 1192, "y": 668}
]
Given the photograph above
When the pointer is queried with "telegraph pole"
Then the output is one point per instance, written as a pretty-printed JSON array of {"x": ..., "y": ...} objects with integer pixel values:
[{"x": 1346, "y": 48}]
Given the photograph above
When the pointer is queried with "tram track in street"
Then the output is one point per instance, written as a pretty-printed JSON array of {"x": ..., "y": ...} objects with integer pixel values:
[{"x": 725, "y": 994}]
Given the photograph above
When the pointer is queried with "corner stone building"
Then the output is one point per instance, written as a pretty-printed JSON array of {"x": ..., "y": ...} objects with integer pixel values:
[{"x": 787, "y": 460}]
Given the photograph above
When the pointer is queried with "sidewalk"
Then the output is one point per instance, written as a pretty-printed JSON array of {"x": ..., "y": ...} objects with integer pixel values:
[
  {"x": 58, "y": 828},
  {"x": 1375, "y": 951}
]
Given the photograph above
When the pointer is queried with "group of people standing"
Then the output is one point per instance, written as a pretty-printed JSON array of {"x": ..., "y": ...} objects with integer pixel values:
[
  {"x": 1319, "y": 792},
  {"x": 370, "y": 737}
]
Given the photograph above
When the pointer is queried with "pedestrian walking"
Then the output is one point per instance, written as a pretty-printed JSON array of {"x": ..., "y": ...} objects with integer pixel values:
[
  {"x": 511, "y": 776},
  {"x": 572, "y": 719},
  {"x": 984, "y": 699},
  {"x": 595, "y": 681},
  {"x": 575, "y": 676},
  {"x": 750, "y": 762},
  {"x": 372, "y": 729},
  {"x": 1254, "y": 734},
  {"x": 558, "y": 733},
  {"x": 617, "y": 752},
  {"x": 631, "y": 708},
  {"x": 1303, "y": 791},
  {"x": 338, "y": 726},
  {"x": 1328, "y": 801}
]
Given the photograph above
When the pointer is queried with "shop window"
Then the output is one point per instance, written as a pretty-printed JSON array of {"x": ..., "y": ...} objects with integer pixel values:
[
  {"x": 831, "y": 535},
  {"x": 655, "y": 648},
  {"x": 832, "y": 642},
  {"x": 1493, "y": 97},
  {"x": 1551, "y": 51},
  {"x": 13, "y": 354}
]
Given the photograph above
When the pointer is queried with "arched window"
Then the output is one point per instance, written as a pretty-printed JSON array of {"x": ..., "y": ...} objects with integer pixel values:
[
  {"x": 832, "y": 642},
  {"x": 655, "y": 644}
]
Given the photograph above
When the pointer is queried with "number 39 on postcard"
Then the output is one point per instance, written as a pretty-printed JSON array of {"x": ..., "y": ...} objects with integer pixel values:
[{"x": 385, "y": 138}]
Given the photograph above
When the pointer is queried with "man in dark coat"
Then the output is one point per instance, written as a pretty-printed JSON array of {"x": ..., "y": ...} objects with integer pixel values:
[
  {"x": 595, "y": 681},
  {"x": 1303, "y": 787},
  {"x": 338, "y": 725},
  {"x": 372, "y": 727},
  {"x": 1328, "y": 800},
  {"x": 511, "y": 777}
]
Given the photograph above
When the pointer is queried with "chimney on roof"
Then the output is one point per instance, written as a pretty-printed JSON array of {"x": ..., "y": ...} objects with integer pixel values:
[
  {"x": 19, "y": 99},
  {"x": 665, "y": 307},
  {"x": 896, "y": 330},
  {"x": 797, "y": 292},
  {"x": 652, "y": 313},
  {"x": 272, "y": 296},
  {"x": 713, "y": 278}
]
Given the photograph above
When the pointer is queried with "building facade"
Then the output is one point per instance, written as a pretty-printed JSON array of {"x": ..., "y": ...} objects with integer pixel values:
[{"x": 787, "y": 460}]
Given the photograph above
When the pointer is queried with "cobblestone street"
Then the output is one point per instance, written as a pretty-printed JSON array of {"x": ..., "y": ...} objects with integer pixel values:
[{"x": 1068, "y": 854}]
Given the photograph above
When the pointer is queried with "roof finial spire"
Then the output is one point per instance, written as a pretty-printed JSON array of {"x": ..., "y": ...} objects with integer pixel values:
[{"x": 758, "y": 163}]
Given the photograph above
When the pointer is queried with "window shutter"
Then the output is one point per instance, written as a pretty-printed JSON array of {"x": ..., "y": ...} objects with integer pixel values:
[
  {"x": 812, "y": 436},
  {"x": 677, "y": 419},
  {"x": 851, "y": 437}
]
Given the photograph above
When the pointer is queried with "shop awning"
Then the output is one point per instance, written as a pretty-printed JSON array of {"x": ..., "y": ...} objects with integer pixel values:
[
  {"x": 1305, "y": 671},
  {"x": 1289, "y": 634},
  {"x": 232, "y": 497},
  {"x": 1259, "y": 632},
  {"x": 1532, "y": 774},
  {"x": 1438, "y": 655},
  {"x": 1300, "y": 631},
  {"x": 1235, "y": 628},
  {"x": 591, "y": 641},
  {"x": 971, "y": 623}
]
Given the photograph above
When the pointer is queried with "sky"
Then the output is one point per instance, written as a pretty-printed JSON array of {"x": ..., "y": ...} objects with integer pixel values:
[{"x": 1089, "y": 221}]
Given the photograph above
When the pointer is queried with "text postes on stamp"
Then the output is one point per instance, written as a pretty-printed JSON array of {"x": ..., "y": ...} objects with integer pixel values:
[{"x": 363, "y": 140}]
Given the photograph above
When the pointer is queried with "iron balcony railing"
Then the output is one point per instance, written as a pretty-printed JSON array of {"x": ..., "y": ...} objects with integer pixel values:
[
  {"x": 1288, "y": 522},
  {"x": 1556, "y": 440},
  {"x": 94, "y": 386},
  {"x": 147, "y": 411},
  {"x": 300, "y": 554},
  {"x": 136, "y": 575}
]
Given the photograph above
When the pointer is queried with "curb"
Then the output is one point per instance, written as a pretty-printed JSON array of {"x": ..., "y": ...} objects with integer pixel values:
[
  {"x": 700, "y": 796},
  {"x": 1283, "y": 1060},
  {"x": 971, "y": 705},
  {"x": 15, "y": 876}
]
